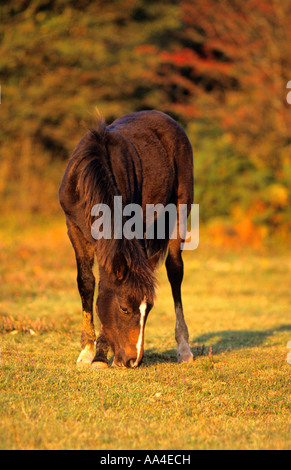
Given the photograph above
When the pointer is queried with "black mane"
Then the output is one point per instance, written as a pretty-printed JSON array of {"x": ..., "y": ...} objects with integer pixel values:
[{"x": 97, "y": 184}]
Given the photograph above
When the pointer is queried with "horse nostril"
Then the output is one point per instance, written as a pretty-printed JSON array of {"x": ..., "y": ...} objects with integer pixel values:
[
  {"x": 130, "y": 363},
  {"x": 117, "y": 364}
]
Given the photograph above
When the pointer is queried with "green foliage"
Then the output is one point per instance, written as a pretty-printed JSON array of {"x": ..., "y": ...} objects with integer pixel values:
[
  {"x": 218, "y": 172},
  {"x": 206, "y": 64},
  {"x": 58, "y": 61}
]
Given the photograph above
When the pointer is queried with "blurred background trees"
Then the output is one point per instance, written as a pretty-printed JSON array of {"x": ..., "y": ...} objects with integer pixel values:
[{"x": 220, "y": 68}]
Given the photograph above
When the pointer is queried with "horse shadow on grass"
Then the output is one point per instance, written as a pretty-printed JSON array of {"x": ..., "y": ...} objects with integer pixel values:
[{"x": 217, "y": 342}]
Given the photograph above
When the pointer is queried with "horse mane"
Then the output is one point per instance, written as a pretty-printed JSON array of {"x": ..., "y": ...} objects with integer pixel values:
[{"x": 96, "y": 184}]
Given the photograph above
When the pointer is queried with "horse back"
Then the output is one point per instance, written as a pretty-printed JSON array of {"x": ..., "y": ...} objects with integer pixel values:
[
  {"x": 159, "y": 153},
  {"x": 145, "y": 157}
]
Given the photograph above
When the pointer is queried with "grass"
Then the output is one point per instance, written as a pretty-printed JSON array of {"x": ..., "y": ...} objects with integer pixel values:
[{"x": 236, "y": 394}]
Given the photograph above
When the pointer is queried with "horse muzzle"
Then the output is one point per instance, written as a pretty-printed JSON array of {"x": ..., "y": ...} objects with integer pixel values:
[{"x": 129, "y": 364}]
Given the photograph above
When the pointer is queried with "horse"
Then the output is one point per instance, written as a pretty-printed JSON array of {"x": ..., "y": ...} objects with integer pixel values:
[{"x": 146, "y": 158}]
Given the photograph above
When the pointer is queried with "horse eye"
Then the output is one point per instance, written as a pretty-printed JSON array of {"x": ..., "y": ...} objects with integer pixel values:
[{"x": 123, "y": 309}]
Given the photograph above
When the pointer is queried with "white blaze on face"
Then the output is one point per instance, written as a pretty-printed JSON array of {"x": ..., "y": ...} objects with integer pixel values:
[{"x": 142, "y": 309}]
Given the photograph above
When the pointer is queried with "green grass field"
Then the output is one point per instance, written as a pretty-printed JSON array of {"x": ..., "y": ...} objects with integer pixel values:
[{"x": 236, "y": 394}]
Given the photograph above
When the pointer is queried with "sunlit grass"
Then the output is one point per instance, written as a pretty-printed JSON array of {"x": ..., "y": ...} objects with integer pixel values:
[{"x": 235, "y": 395}]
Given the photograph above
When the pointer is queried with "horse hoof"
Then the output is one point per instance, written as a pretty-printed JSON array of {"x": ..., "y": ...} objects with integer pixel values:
[
  {"x": 99, "y": 365},
  {"x": 184, "y": 354},
  {"x": 185, "y": 359},
  {"x": 86, "y": 357},
  {"x": 82, "y": 365}
]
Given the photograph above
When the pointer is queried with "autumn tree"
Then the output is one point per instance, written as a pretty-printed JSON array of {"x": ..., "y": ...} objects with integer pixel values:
[
  {"x": 230, "y": 69},
  {"x": 234, "y": 65}
]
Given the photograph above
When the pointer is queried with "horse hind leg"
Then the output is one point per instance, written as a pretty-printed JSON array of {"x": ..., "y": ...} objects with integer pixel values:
[{"x": 175, "y": 270}]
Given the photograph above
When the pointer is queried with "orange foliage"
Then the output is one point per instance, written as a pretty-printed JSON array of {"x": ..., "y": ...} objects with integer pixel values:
[
  {"x": 241, "y": 234},
  {"x": 237, "y": 69}
]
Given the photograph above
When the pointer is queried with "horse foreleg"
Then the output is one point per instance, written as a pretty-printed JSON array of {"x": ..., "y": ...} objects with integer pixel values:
[
  {"x": 86, "y": 284},
  {"x": 100, "y": 360}
]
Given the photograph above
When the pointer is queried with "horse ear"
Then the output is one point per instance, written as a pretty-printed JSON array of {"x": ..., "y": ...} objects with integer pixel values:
[
  {"x": 119, "y": 266},
  {"x": 153, "y": 260}
]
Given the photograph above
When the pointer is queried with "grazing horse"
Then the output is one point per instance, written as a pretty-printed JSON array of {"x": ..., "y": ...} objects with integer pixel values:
[{"x": 146, "y": 158}]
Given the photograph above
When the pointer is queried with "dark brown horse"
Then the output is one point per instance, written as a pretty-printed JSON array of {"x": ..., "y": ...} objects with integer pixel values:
[{"x": 146, "y": 158}]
